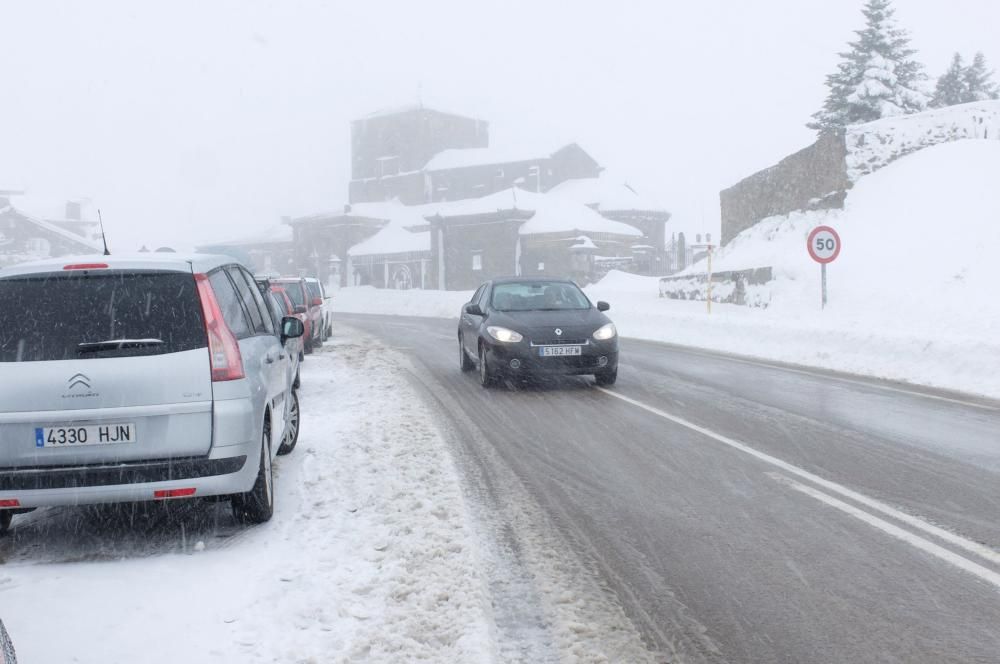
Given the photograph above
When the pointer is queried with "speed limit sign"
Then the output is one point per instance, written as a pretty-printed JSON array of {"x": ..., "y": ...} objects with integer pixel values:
[
  {"x": 824, "y": 247},
  {"x": 824, "y": 244}
]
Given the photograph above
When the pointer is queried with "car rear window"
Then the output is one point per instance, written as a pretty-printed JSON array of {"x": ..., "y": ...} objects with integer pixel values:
[
  {"x": 295, "y": 293},
  {"x": 98, "y": 315},
  {"x": 314, "y": 290}
]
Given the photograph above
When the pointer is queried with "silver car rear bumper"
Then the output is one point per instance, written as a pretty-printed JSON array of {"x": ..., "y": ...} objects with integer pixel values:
[{"x": 227, "y": 470}]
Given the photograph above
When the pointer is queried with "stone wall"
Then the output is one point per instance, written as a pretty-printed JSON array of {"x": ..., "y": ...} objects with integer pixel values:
[
  {"x": 742, "y": 287},
  {"x": 813, "y": 178},
  {"x": 819, "y": 176}
]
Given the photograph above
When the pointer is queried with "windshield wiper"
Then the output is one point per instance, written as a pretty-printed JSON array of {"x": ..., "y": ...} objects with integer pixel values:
[{"x": 115, "y": 344}]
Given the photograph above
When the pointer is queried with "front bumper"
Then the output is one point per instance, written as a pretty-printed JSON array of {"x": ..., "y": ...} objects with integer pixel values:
[{"x": 526, "y": 359}]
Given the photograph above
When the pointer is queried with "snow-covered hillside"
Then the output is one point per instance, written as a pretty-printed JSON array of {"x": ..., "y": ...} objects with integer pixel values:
[{"x": 921, "y": 237}]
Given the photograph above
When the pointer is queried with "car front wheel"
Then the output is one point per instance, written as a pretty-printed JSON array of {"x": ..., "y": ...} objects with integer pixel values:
[
  {"x": 257, "y": 505},
  {"x": 486, "y": 376}
]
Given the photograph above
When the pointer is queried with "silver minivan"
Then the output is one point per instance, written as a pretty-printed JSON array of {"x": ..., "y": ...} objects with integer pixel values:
[{"x": 134, "y": 378}]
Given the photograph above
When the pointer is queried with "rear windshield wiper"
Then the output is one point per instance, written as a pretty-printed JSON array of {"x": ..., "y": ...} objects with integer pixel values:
[{"x": 116, "y": 344}]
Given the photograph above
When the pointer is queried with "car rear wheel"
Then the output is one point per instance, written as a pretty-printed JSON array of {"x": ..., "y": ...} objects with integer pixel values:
[
  {"x": 308, "y": 347},
  {"x": 486, "y": 375},
  {"x": 463, "y": 358},
  {"x": 606, "y": 378},
  {"x": 5, "y": 518},
  {"x": 292, "y": 430},
  {"x": 257, "y": 505}
]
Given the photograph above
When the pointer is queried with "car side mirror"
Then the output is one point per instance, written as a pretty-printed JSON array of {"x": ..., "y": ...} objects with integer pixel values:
[
  {"x": 317, "y": 302},
  {"x": 300, "y": 309},
  {"x": 603, "y": 306},
  {"x": 473, "y": 310},
  {"x": 291, "y": 328}
]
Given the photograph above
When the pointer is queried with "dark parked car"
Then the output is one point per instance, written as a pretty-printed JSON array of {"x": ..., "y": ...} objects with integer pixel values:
[{"x": 519, "y": 327}]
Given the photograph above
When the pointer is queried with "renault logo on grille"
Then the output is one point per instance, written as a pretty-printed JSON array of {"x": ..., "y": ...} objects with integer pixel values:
[
  {"x": 79, "y": 380},
  {"x": 558, "y": 332}
]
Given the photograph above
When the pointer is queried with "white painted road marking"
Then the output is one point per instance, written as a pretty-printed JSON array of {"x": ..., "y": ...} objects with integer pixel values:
[
  {"x": 976, "y": 548},
  {"x": 913, "y": 540}
]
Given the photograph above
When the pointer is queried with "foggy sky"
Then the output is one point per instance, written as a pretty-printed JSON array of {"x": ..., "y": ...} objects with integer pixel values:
[{"x": 192, "y": 121}]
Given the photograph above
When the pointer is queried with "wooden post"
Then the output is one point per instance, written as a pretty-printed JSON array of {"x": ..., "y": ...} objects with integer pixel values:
[{"x": 709, "y": 280}]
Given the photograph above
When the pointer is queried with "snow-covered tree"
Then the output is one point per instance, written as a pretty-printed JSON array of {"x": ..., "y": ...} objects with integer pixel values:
[
  {"x": 979, "y": 85},
  {"x": 877, "y": 78},
  {"x": 951, "y": 87}
]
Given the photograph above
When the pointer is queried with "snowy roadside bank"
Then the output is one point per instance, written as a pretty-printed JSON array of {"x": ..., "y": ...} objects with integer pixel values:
[
  {"x": 369, "y": 557},
  {"x": 839, "y": 339}
]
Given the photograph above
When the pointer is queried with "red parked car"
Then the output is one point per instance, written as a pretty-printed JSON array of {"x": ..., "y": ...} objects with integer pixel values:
[{"x": 306, "y": 304}]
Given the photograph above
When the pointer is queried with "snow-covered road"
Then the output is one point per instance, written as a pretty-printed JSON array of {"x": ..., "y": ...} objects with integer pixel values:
[{"x": 370, "y": 555}]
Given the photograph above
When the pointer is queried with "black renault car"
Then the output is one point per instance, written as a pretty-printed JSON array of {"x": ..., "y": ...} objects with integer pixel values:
[{"x": 521, "y": 327}]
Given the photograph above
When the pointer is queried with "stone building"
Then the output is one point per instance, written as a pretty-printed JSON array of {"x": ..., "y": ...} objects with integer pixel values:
[
  {"x": 435, "y": 205},
  {"x": 419, "y": 155}
]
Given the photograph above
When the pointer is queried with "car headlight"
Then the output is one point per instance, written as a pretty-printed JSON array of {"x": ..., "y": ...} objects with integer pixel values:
[
  {"x": 504, "y": 335},
  {"x": 606, "y": 332}
]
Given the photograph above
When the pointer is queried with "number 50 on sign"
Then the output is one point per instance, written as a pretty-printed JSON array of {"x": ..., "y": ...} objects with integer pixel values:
[{"x": 824, "y": 247}]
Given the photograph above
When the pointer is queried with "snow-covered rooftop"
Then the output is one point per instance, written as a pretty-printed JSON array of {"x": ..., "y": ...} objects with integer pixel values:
[
  {"x": 552, "y": 214},
  {"x": 277, "y": 233},
  {"x": 395, "y": 237},
  {"x": 52, "y": 228},
  {"x": 609, "y": 192},
  {"x": 392, "y": 211},
  {"x": 555, "y": 215},
  {"x": 463, "y": 158},
  {"x": 42, "y": 205},
  {"x": 410, "y": 108},
  {"x": 514, "y": 198}
]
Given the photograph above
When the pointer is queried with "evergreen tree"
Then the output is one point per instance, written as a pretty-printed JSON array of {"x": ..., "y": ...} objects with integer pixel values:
[
  {"x": 951, "y": 87},
  {"x": 877, "y": 78},
  {"x": 979, "y": 85}
]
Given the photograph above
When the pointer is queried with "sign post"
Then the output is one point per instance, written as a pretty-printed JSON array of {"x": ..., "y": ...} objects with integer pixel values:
[
  {"x": 824, "y": 247},
  {"x": 709, "y": 298}
]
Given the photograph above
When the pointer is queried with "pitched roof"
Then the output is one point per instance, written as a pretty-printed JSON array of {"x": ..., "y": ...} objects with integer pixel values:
[
  {"x": 276, "y": 234},
  {"x": 395, "y": 237},
  {"x": 464, "y": 158},
  {"x": 411, "y": 108},
  {"x": 51, "y": 228},
  {"x": 608, "y": 193},
  {"x": 552, "y": 214}
]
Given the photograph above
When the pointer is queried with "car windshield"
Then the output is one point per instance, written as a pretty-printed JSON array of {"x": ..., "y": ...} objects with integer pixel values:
[
  {"x": 85, "y": 316},
  {"x": 538, "y": 296}
]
